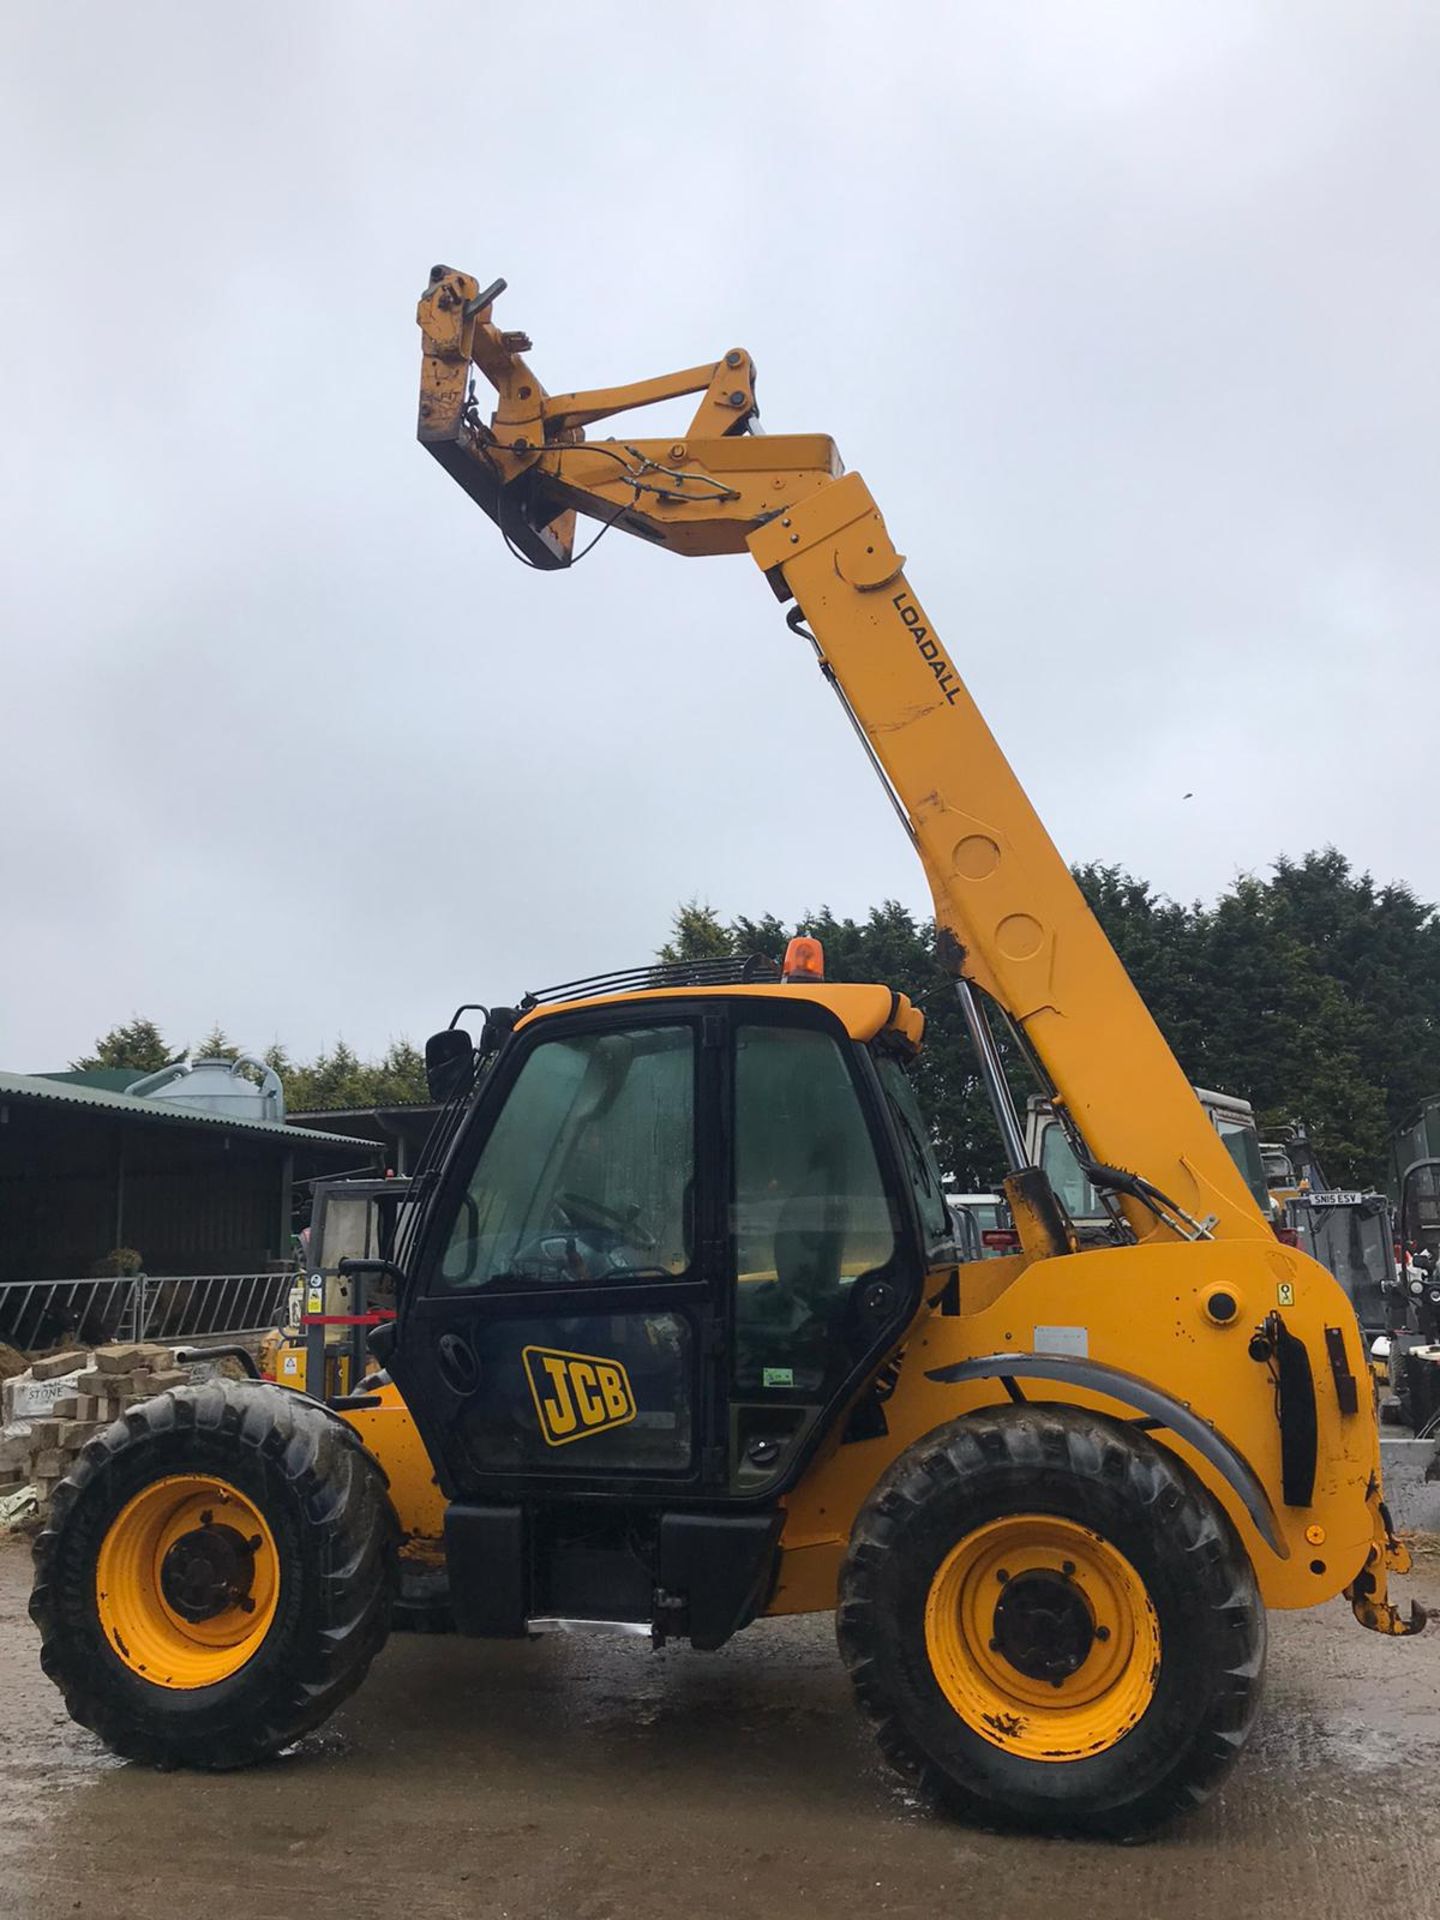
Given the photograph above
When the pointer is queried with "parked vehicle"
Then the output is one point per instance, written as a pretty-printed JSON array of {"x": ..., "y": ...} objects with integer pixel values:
[
  {"x": 1352, "y": 1234},
  {"x": 1048, "y": 1146},
  {"x": 983, "y": 1228},
  {"x": 682, "y": 1339},
  {"x": 1291, "y": 1166}
]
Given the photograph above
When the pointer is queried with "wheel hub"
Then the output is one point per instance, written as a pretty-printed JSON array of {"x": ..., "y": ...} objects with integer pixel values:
[
  {"x": 1043, "y": 1625},
  {"x": 187, "y": 1581},
  {"x": 1042, "y": 1637},
  {"x": 208, "y": 1571}
]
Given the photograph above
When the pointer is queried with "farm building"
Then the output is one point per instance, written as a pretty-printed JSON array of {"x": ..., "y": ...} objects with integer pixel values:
[{"x": 86, "y": 1172}]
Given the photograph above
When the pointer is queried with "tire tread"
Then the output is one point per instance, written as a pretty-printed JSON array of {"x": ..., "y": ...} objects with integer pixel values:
[
  {"x": 1084, "y": 1447},
  {"x": 340, "y": 1493}
]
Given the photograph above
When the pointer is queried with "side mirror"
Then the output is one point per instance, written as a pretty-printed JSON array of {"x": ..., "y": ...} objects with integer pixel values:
[{"x": 449, "y": 1062}]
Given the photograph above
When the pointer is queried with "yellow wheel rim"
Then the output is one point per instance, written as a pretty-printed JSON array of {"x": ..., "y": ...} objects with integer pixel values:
[
  {"x": 1042, "y": 1637},
  {"x": 187, "y": 1581}
]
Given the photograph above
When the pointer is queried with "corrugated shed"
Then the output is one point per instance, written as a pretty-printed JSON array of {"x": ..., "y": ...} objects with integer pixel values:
[{"x": 163, "y": 1113}]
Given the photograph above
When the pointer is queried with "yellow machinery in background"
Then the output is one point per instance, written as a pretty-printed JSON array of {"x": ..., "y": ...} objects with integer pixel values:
[
  {"x": 321, "y": 1346},
  {"x": 684, "y": 1337}
]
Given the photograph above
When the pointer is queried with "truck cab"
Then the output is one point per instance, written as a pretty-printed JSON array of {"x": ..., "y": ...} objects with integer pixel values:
[{"x": 1049, "y": 1148}]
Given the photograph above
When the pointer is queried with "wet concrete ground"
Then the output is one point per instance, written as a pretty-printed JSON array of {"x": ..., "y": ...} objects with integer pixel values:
[{"x": 594, "y": 1779}]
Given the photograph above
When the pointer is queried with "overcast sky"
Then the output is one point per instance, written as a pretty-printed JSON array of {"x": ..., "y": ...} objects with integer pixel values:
[{"x": 1129, "y": 313}]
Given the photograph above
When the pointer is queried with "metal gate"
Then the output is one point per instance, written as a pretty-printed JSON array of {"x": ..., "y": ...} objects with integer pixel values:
[{"x": 39, "y": 1314}]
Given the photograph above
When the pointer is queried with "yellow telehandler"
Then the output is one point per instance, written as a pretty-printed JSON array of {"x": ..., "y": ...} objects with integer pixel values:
[{"x": 683, "y": 1336}]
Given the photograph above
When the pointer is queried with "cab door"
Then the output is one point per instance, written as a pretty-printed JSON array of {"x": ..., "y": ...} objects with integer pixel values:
[
  {"x": 827, "y": 1250},
  {"x": 667, "y": 1253},
  {"x": 561, "y": 1326}
]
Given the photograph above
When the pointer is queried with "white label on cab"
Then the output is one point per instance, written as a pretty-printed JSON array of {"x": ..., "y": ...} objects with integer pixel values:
[{"x": 1072, "y": 1340}]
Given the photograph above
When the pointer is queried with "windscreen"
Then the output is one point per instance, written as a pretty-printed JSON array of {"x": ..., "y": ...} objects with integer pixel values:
[
  {"x": 919, "y": 1152},
  {"x": 1243, "y": 1146},
  {"x": 1354, "y": 1243},
  {"x": 1073, "y": 1190}
]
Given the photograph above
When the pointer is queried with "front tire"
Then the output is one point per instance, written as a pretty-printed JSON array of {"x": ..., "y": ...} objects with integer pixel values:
[
  {"x": 1051, "y": 1624},
  {"x": 216, "y": 1575}
]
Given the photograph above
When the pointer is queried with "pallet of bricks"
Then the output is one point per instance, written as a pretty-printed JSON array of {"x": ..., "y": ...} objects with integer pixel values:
[{"x": 116, "y": 1378}]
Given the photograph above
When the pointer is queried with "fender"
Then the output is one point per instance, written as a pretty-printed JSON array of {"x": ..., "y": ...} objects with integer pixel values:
[{"x": 1158, "y": 1408}]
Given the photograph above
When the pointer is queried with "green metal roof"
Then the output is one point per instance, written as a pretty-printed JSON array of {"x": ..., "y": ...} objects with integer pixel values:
[
  {"x": 42, "y": 1091},
  {"x": 111, "y": 1079}
]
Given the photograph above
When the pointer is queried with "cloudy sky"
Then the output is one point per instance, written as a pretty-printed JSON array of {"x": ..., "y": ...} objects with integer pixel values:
[{"x": 1129, "y": 314}]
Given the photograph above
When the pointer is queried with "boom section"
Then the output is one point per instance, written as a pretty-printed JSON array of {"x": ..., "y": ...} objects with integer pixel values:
[{"x": 1021, "y": 928}]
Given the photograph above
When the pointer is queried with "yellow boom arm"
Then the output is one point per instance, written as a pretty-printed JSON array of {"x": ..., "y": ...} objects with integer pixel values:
[{"x": 1011, "y": 919}]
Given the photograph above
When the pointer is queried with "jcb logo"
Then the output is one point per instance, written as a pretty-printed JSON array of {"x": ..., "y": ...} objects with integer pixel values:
[{"x": 576, "y": 1394}]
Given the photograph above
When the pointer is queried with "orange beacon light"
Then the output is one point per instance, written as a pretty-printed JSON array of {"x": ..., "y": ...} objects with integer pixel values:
[{"x": 804, "y": 959}]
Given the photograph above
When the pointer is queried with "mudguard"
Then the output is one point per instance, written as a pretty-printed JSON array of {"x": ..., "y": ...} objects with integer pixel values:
[{"x": 1155, "y": 1407}]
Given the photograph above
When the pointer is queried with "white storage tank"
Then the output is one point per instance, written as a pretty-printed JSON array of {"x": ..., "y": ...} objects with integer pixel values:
[{"x": 218, "y": 1086}]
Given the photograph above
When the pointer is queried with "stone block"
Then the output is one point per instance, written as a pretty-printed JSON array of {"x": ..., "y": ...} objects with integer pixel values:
[
  {"x": 51, "y": 1465},
  {"x": 163, "y": 1382},
  {"x": 67, "y": 1407},
  {"x": 119, "y": 1359},
  {"x": 55, "y": 1366}
]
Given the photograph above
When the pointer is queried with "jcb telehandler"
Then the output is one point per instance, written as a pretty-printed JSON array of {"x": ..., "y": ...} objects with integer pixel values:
[{"x": 683, "y": 1338}]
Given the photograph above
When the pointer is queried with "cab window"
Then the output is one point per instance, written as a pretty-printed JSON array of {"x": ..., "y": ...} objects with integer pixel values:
[
  {"x": 810, "y": 1214},
  {"x": 587, "y": 1175},
  {"x": 1072, "y": 1189},
  {"x": 918, "y": 1152},
  {"x": 1243, "y": 1145}
]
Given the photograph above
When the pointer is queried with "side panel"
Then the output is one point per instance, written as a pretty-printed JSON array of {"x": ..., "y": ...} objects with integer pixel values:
[
  {"x": 394, "y": 1439},
  {"x": 1144, "y": 1312}
]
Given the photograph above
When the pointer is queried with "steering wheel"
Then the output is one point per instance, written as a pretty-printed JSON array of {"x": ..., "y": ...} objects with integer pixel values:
[{"x": 582, "y": 1211}]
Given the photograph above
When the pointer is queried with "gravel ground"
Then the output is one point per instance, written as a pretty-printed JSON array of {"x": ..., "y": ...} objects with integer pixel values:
[{"x": 593, "y": 1779}]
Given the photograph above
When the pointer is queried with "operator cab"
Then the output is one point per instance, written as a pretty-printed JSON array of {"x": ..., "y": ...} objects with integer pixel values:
[{"x": 671, "y": 1231}]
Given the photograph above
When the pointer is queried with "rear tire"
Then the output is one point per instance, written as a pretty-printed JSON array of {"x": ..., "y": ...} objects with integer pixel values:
[
  {"x": 258, "y": 1515},
  {"x": 1103, "y": 1699}
]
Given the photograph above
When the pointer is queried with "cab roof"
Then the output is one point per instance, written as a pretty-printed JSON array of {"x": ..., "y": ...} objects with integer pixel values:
[{"x": 864, "y": 1011}]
